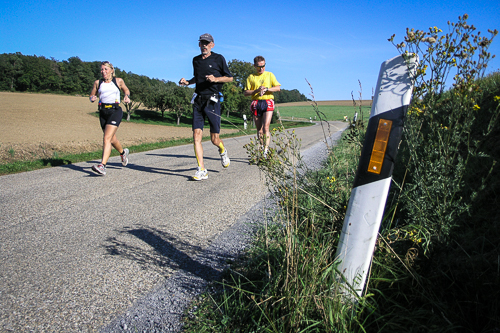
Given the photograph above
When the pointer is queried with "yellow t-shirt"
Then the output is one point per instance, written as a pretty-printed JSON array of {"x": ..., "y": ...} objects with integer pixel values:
[{"x": 266, "y": 79}]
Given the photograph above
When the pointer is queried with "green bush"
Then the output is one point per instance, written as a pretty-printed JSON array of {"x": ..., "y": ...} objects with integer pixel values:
[
  {"x": 434, "y": 266},
  {"x": 444, "y": 131}
]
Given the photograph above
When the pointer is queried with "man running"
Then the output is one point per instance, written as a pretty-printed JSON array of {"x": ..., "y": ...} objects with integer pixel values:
[
  {"x": 210, "y": 73},
  {"x": 261, "y": 86}
]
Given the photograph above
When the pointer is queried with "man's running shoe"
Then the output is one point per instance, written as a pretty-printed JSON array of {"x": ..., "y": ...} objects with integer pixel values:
[
  {"x": 124, "y": 157},
  {"x": 224, "y": 159},
  {"x": 100, "y": 169},
  {"x": 200, "y": 174},
  {"x": 265, "y": 153}
]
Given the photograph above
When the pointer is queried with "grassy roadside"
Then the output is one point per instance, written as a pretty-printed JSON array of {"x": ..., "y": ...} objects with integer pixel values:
[
  {"x": 436, "y": 262},
  {"x": 285, "y": 280},
  {"x": 61, "y": 158},
  {"x": 421, "y": 280}
]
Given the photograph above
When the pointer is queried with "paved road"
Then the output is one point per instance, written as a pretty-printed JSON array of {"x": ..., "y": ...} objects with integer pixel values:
[{"x": 77, "y": 250}]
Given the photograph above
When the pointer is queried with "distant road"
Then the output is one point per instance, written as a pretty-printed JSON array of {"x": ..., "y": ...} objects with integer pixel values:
[{"x": 77, "y": 250}]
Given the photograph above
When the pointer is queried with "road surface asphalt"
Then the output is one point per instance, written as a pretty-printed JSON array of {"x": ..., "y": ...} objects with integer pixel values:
[{"x": 78, "y": 250}]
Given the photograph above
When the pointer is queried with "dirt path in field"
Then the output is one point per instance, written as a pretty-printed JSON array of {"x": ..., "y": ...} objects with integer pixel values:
[{"x": 36, "y": 126}]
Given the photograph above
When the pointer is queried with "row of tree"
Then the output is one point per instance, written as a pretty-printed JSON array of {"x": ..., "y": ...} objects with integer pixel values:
[{"x": 26, "y": 73}]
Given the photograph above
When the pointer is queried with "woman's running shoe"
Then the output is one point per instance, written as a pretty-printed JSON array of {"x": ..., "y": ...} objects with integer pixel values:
[{"x": 100, "y": 169}]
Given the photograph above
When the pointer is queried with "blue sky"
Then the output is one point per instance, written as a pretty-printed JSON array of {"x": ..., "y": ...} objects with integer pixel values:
[{"x": 332, "y": 44}]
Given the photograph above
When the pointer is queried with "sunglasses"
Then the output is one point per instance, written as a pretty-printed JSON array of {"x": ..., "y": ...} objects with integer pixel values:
[{"x": 260, "y": 66}]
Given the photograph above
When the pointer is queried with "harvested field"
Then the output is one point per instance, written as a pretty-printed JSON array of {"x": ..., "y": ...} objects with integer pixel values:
[{"x": 35, "y": 126}]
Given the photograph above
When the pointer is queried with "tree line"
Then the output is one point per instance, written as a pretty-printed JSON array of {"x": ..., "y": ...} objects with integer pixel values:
[{"x": 25, "y": 73}]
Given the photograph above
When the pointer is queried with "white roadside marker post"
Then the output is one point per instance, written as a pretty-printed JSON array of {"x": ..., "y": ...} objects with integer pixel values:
[{"x": 373, "y": 178}]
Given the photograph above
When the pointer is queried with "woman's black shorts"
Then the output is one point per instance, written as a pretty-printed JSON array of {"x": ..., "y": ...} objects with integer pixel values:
[{"x": 110, "y": 117}]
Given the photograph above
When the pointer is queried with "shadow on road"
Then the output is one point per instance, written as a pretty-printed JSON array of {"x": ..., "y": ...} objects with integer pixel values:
[
  {"x": 233, "y": 159},
  {"x": 86, "y": 170},
  {"x": 163, "y": 171},
  {"x": 167, "y": 253},
  {"x": 173, "y": 172}
]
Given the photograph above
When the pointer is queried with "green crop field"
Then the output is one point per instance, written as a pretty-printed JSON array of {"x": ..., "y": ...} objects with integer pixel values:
[{"x": 331, "y": 112}]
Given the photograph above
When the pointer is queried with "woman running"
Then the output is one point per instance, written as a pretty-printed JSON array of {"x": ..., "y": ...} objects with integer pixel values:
[{"x": 110, "y": 113}]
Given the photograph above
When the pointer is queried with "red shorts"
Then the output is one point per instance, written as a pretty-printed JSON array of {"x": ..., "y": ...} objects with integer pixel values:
[{"x": 258, "y": 113}]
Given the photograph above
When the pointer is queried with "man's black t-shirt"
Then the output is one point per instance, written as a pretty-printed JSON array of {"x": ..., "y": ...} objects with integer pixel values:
[{"x": 214, "y": 65}]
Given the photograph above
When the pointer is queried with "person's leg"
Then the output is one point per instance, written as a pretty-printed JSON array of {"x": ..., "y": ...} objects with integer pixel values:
[
  {"x": 217, "y": 141},
  {"x": 258, "y": 125},
  {"x": 109, "y": 136},
  {"x": 224, "y": 158},
  {"x": 201, "y": 172},
  {"x": 212, "y": 111},
  {"x": 116, "y": 143},
  {"x": 198, "y": 148},
  {"x": 198, "y": 123},
  {"x": 123, "y": 151},
  {"x": 114, "y": 119},
  {"x": 266, "y": 122}
]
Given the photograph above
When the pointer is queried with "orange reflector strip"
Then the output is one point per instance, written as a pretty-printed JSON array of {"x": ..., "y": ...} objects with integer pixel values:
[{"x": 379, "y": 146}]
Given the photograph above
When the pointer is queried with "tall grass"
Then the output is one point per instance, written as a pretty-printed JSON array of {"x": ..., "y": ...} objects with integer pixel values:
[{"x": 286, "y": 281}]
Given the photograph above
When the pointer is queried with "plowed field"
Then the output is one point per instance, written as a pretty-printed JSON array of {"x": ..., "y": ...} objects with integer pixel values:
[{"x": 36, "y": 126}]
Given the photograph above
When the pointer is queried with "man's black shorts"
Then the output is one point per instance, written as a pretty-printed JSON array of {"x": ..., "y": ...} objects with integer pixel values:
[{"x": 203, "y": 108}]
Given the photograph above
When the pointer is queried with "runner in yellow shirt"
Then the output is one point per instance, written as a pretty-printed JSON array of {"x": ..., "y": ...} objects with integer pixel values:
[{"x": 261, "y": 86}]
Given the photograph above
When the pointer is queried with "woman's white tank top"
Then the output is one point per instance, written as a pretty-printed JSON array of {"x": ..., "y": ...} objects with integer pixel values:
[{"x": 109, "y": 93}]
